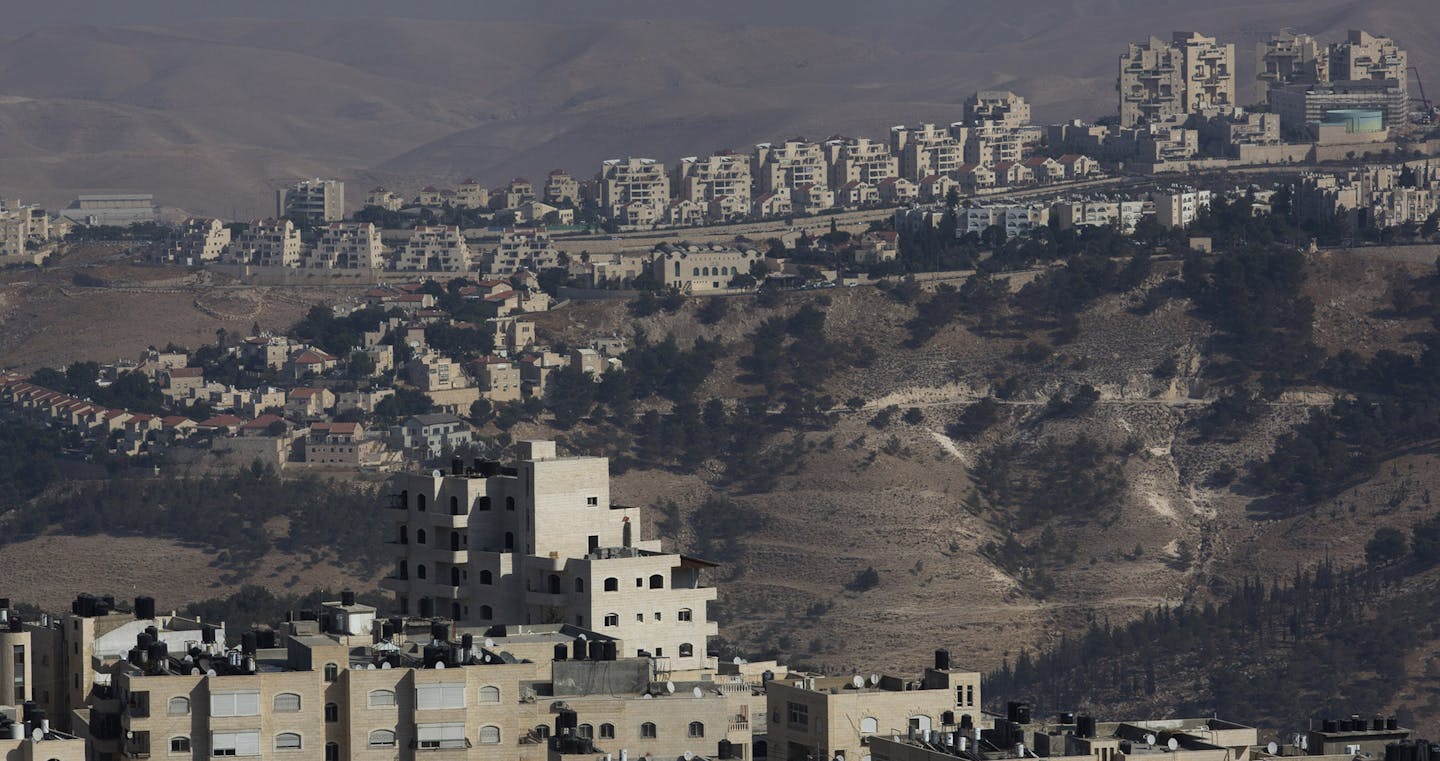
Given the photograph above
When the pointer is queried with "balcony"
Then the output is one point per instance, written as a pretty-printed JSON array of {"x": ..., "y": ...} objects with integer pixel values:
[
  {"x": 137, "y": 706},
  {"x": 452, "y": 521},
  {"x": 395, "y": 583},
  {"x": 137, "y": 745}
]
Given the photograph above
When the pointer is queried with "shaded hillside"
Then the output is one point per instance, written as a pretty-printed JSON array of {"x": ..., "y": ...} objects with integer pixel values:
[{"x": 212, "y": 115}]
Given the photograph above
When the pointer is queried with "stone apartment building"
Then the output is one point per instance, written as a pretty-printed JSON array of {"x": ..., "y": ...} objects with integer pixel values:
[
  {"x": 537, "y": 541},
  {"x": 925, "y": 150},
  {"x": 1179, "y": 207},
  {"x": 633, "y": 191},
  {"x": 704, "y": 181},
  {"x": 472, "y": 195},
  {"x": 198, "y": 239},
  {"x": 432, "y": 371},
  {"x": 498, "y": 378},
  {"x": 860, "y": 159},
  {"x": 788, "y": 166},
  {"x": 384, "y": 199},
  {"x": 314, "y": 201},
  {"x": 561, "y": 189},
  {"x": 431, "y": 434},
  {"x": 810, "y": 717},
  {"x": 997, "y": 108},
  {"x": 267, "y": 243},
  {"x": 436, "y": 248},
  {"x": 524, "y": 248},
  {"x": 1159, "y": 81},
  {"x": 347, "y": 246}
]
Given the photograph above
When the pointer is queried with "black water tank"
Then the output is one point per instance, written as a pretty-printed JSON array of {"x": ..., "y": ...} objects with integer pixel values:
[
  {"x": 1329, "y": 726},
  {"x": 439, "y": 631},
  {"x": 467, "y": 641},
  {"x": 767, "y": 676},
  {"x": 249, "y": 643},
  {"x": 966, "y": 722},
  {"x": 386, "y": 631},
  {"x": 1392, "y": 723},
  {"x": 597, "y": 650},
  {"x": 457, "y": 467},
  {"x": 144, "y": 640},
  {"x": 1085, "y": 726},
  {"x": 1067, "y": 718},
  {"x": 207, "y": 634},
  {"x": 942, "y": 659},
  {"x": 347, "y": 597},
  {"x": 144, "y": 607},
  {"x": 566, "y": 719},
  {"x": 612, "y": 650},
  {"x": 4, "y": 603},
  {"x": 265, "y": 638},
  {"x": 434, "y": 654},
  {"x": 1377, "y": 724},
  {"x": 17, "y": 623},
  {"x": 561, "y": 651},
  {"x": 579, "y": 650}
]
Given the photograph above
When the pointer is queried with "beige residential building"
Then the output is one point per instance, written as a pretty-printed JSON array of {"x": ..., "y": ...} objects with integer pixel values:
[
  {"x": 897, "y": 190},
  {"x": 682, "y": 212},
  {"x": 384, "y": 199},
  {"x": 812, "y": 717},
  {"x": 1364, "y": 56},
  {"x": 790, "y": 165},
  {"x": 512, "y": 334},
  {"x": 198, "y": 240},
  {"x": 860, "y": 160},
  {"x": 347, "y": 246},
  {"x": 1190, "y": 74},
  {"x": 705, "y": 180},
  {"x": 1180, "y": 207},
  {"x": 561, "y": 189},
  {"x": 498, "y": 378},
  {"x": 515, "y": 193},
  {"x": 812, "y": 199},
  {"x": 342, "y": 445},
  {"x": 314, "y": 201},
  {"x": 925, "y": 150},
  {"x": 267, "y": 243},
  {"x": 997, "y": 108},
  {"x": 436, "y": 248},
  {"x": 472, "y": 195},
  {"x": 693, "y": 269},
  {"x": 538, "y": 541},
  {"x": 634, "y": 190},
  {"x": 523, "y": 248},
  {"x": 431, "y": 371},
  {"x": 1290, "y": 58}
]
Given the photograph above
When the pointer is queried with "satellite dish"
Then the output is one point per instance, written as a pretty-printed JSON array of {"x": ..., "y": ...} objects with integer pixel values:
[
  {"x": 858, "y": 681},
  {"x": 435, "y": 473},
  {"x": 874, "y": 679},
  {"x": 697, "y": 693},
  {"x": 37, "y": 734},
  {"x": 489, "y": 642},
  {"x": 1173, "y": 744},
  {"x": 1272, "y": 748},
  {"x": 439, "y": 664},
  {"x": 687, "y": 755},
  {"x": 670, "y": 687},
  {"x": 580, "y": 637},
  {"x": 369, "y": 667},
  {"x": 194, "y": 672},
  {"x": 385, "y": 665},
  {"x": 737, "y": 660},
  {"x": 1150, "y": 739},
  {"x": 647, "y": 696},
  {"x": 211, "y": 672}
]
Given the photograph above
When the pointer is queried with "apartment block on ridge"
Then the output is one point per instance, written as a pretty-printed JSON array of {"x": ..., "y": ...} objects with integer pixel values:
[{"x": 314, "y": 201}]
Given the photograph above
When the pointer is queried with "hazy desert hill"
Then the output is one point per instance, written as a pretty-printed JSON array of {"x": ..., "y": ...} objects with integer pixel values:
[{"x": 212, "y": 114}]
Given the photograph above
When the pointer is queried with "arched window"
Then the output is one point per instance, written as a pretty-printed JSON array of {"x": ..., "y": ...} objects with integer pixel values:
[
  {"x": 420, "y": 502},
  {"x": 509, "y": 540},
  {"x": 647, "y": 731},
  {"x": 612, "y": 584},
  {"x": 382, "y": 738},
  {"x": 454, "y": 576},
  {"x": 287, "y": 741},
  {"x": 695, "y": 272},
  {"x": 586, "y": 731},
  {"x": 657, "y": 581},
  {"x": 404, "y": 569},
  {"x": 179, "y": 707},
  {"x": 869, "y": 725},
  {"x": 454, "y": 541},
  {"x": 684, "y": 615},
  {"x": 332, "y": 713},
  {"x": 486, "y": 577},
  {"x": 382, "y": 698},
  {"x": 686, "y": 650},
  {"x": 404, "y": 534},
  {"x": 579, "y": 586},
  {"x": 455, "y": 611},
  {"x": 697, "y": 729},
  {"x": 509, "y": 503},
  {"x": 543, "y": 731},
  {"x": 489, "y": 735},
  {"x": 486, "y": 613},
  {"x": 288, "y": 702},
  {"x": 483, "y": 503},
  {"x": 405, "y": 498},
  {"x": 332, "y": 672},
  {"x": 607, "y": 731},
  {"x": 420, "y": 571},
  {"x": 612, "y": 619},
  {"x": 454, "y": 505},
  {"x": 554, "y": 584},
  {"x": 489, "y": 694},
  {"x": 332, "y": 751},
  {"x": 179, "y": 745},
  {"x": 420, "y": 536}
]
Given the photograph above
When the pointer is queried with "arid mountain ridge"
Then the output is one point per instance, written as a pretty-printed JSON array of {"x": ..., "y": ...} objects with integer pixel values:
[{"x": 212, "y": 114}]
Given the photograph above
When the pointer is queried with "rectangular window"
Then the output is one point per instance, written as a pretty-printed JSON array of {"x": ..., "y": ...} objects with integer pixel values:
[
  {"x": 798, "y": 714},
  {"x": 433, "y": 696},
  {"x": 243, "y": 743},
  {"x": 969, "y": 695},
  {"x": 440, "y": 735},
  {"x": 235, "y": 704},
  {"x": 18, "y": 655},
  {"x": 684, "y": 615},
  {"x": 592, "y": 501}
]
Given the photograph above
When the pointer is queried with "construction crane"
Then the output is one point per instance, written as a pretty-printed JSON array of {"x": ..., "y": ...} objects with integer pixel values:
[{"x": 1427, "y": 108}]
